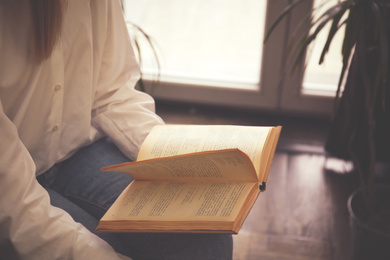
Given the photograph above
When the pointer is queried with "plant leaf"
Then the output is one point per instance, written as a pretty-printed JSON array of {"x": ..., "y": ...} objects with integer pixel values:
[
  {"x": 156, "y": 58},
  {"x": 326, "y": 17},
  {"x": 383, "y": 50},
  {"x": 334, "y": 29},
  {"x": 350, "y": 38},
  {"x": 281, "y": 16}
]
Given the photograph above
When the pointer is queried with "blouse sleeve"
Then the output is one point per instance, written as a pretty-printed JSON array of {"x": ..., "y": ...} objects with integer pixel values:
[
  {"x": 121, "y": 112},
  {"x": 30, "y": 228}
]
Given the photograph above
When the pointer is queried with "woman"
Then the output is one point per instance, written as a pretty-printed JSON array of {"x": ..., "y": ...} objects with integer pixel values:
[{"x": 68, "y": 107}]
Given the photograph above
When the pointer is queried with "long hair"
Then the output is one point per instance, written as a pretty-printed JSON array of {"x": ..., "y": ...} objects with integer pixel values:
[{"x": 47, "y": 16}]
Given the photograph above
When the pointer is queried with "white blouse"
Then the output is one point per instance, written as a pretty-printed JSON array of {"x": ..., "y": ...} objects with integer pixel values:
[{"x": 84, "y": 91}]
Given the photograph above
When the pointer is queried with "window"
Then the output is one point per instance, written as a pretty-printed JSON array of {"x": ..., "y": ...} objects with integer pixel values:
[
  {"x": 205, "y": 40},
  {"x": 212, "y": 51}
]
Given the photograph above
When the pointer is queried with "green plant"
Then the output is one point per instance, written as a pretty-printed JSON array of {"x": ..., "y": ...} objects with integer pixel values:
[
  {"x": 361, "y": 124},
  {"x": 141, "y": 39}
]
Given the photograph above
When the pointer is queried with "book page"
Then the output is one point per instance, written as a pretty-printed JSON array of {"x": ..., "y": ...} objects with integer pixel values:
[
  {"x": 180, "y": 201},
  {"x": 169, "y": 140},
  {"x": 230, "y": 165},
  {"x": 270, "y": 153}
]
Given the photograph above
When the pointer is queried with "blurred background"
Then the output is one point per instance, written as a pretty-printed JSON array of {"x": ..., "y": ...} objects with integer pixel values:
[{"x": 215, "y": 69}]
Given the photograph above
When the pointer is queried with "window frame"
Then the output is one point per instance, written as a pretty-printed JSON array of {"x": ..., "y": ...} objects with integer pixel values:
[{"x": 278, "y": 91}]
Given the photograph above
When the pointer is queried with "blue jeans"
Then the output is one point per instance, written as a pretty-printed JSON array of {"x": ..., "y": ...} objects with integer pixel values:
[{"x": 78, "y": 186}]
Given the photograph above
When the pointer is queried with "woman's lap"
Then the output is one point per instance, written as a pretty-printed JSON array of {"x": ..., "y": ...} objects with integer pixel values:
[
  {"x": 81, "y": 180},
  {"x": 87, "y": 193}
]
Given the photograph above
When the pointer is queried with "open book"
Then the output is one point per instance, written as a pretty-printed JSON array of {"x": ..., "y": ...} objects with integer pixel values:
[{"x": 193, "y": 178}]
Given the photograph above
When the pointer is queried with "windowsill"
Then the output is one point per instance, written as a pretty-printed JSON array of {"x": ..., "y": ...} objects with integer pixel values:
[{"x": 188, "y": 80}]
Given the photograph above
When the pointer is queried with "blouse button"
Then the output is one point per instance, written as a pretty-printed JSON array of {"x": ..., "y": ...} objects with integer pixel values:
[
  {"x": 54, "y": 128},
  {"x": 57, "y": 87}
]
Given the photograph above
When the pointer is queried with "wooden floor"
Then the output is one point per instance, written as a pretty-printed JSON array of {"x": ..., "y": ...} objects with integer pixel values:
[{"x": 302, "y": 215}]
